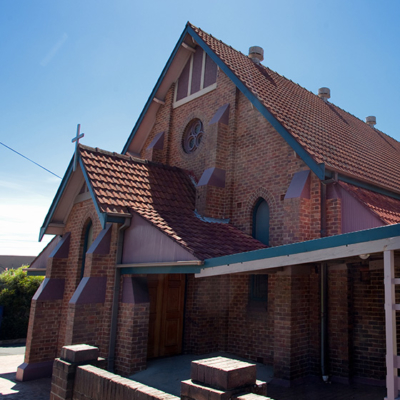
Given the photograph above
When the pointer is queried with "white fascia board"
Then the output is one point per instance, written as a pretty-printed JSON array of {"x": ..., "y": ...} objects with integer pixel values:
[{"x": 330, "y": 253}]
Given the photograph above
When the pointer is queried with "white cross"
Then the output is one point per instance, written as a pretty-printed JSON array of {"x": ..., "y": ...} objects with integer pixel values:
[{"x": 76, "y": 140}]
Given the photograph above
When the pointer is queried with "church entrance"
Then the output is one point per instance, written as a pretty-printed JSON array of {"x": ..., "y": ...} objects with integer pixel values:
[{"x": 167, "y": 295}]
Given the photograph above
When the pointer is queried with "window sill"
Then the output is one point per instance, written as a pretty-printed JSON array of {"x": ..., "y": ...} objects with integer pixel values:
[{"x": 195, "y": 95}]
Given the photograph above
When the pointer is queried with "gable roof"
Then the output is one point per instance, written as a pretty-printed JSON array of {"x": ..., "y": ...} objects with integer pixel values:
[
  {"x": 164, "y": 196},
  {"x": 322, "y": 134}
]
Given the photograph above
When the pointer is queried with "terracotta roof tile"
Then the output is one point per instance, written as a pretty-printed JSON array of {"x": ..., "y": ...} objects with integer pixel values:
[
  {"x": 164, "y": 196},
  {"x": 386, "y": 208},
  {"x": 329, "y": 134}
]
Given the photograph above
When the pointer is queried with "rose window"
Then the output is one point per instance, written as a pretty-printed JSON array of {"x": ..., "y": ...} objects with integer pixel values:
[{"x": 193, "y": 135}]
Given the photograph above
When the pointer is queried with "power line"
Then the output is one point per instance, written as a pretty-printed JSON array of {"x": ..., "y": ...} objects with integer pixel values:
[{"x": 30, "y": 160}]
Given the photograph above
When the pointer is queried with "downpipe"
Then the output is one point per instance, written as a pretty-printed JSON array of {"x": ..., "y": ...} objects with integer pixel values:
[{"x": 324, "y": 286}]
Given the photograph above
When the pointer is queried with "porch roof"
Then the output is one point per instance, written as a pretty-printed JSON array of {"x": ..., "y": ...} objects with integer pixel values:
[{"x": 369, "y": 241}]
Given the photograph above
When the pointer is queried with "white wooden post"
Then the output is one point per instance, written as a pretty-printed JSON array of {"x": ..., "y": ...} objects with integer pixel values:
[{"x": 391, "y": 339}]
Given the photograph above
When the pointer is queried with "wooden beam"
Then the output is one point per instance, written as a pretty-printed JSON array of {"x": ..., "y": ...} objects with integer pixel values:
[
  {"x": 187, "y": 47},
  {"x": 158, "y": 101}
]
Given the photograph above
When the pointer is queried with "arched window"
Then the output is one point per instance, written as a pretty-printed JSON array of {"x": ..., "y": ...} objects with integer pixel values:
[
  {"x": 261, "y": 221},
  {"x": 87, "y": 242},
  {"x": 258, "y": 290}
]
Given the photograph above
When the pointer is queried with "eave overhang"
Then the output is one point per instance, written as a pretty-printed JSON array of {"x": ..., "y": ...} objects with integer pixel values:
[
  {"x": 63, "y": 201},
  {"x": 50, "y": 214},
  {"x": 369, "y": 241}
]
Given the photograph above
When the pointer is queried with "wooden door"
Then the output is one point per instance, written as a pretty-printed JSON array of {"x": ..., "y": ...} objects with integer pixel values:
[{"x": 167, "y": 294}]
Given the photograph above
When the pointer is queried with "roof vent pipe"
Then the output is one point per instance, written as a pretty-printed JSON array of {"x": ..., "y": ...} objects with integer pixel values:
[
  {"x": 256, "y": 54},
  {"x": 371, "y": 121},
  {"x": 324, "y": 93}
]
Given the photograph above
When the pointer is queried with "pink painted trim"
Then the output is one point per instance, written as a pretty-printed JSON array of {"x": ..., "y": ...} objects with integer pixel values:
[
  {"x": 50, "y": 289},
  {"x": 101, "y": 244},
  {"x": 158, "y": 142},
  {"x": 62, "y": 248},
  {"x": 32, "y": 371},
  {"x": 135, "y": 291},
  {"x": 213, "y": 177},
  {"x": 299, "y": 186},
  {"x": 222, "y": 115},
  {"x": 90, "y": 290}
]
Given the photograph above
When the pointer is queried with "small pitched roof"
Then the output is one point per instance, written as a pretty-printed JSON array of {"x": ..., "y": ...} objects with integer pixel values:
[
  {"x": 324, "y": 135},
  {"x": 386, "y": 208},
  {"x": 164, "y": 196}
]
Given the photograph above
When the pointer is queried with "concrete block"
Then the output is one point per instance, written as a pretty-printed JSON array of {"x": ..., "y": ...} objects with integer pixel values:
[
  {"x": 79, "y": 353},
  {"x": 223, "y": 373}
]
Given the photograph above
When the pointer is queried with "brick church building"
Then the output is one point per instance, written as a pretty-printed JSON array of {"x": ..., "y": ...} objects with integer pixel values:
[{"x": 245, "y": 214}]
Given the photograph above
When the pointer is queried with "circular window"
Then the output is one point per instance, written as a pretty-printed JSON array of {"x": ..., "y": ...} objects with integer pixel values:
[{"x": 193, "y": 135}]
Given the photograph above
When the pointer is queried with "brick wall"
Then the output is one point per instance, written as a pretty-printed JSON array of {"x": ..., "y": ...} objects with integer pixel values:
[
  {"x": 78, "y": 219},
  {"x": 334, "y": 217},
  {"x": 251, "y": 325},
  {"x": 84, "y": 325},
  {"x": 89, "y": 323},
  {"x": 283, "y": 333},
  {"x": 368, "y": 322},
  {"x": 255, "y": 157},
  {"x": 339, "y": 326},
  {"x": 206, "y": 315},
  {"x": 131, "y": 342},
  {"x": 93, "y": 383},
  {"x": 41, "y": 344}
]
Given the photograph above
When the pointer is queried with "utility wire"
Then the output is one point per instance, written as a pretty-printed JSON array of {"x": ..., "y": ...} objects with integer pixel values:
[{"x": 30, "y": 160}]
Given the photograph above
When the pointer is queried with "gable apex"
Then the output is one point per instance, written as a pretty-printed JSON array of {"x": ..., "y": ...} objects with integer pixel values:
[{"x": 170, "y": 74}]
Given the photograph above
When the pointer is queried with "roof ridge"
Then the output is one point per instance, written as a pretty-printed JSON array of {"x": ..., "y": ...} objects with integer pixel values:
[
  {"x": 131, "y": 158},
  {"x": 106, "y": 152}
]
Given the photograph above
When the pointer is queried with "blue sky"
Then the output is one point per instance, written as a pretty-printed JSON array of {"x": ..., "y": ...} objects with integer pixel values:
[{"x": 96, "y": 62}]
